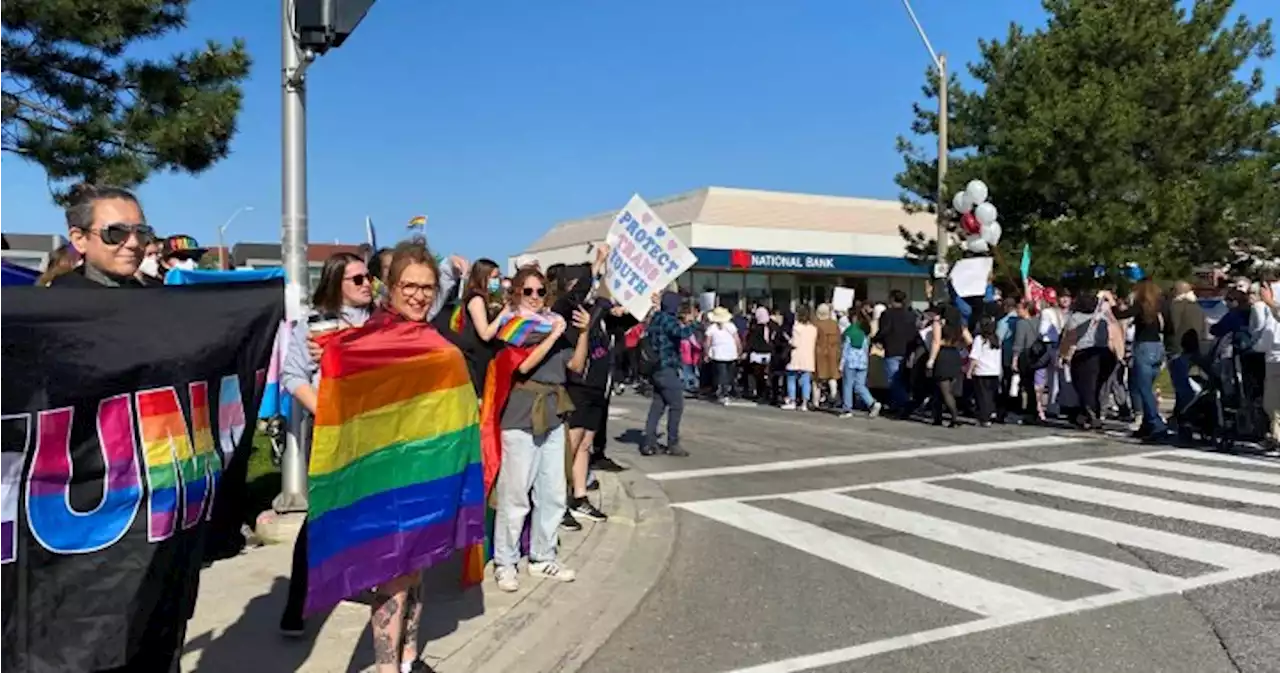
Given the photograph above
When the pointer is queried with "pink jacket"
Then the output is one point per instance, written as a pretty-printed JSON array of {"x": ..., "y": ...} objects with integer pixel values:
[
  {"x": 804, "y": 346},
  {"x": 690, "y": 351}
]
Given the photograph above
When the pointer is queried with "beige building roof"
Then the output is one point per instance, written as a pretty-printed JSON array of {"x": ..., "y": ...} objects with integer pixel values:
[{"x": 753, "y": 208}]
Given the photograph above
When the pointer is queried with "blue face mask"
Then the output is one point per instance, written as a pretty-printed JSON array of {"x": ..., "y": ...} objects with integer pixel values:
[{"x": 494, "y": 285}]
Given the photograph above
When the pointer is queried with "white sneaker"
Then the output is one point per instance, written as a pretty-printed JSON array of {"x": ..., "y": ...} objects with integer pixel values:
[
  {"x": 552, "y": 571},
  {"x": 846, "y": 414},
  {"x": 875, "y": 410},
  {"x": 787, "y": 406},
  {"x": 507, "y": 579}
]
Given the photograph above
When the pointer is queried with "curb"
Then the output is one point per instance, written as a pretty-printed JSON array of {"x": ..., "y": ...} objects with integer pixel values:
[{"x": 618, "y": 564}]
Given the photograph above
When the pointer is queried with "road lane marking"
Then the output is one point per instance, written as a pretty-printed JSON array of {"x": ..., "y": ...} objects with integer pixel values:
[
  {"x": 1101, "y": 571},
  {"x": 1268, "y": 478},
  {"x": 1133, "y": 502},
  {"x": 851, "y": 459},
  {"x": 1204, "y": 551},
  {"x": 940, "y": 583},
  {"x": 1205, "y": 489}
]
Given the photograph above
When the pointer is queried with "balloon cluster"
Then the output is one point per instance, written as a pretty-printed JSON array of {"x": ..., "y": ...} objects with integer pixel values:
[{"x": 977, "y": 217}]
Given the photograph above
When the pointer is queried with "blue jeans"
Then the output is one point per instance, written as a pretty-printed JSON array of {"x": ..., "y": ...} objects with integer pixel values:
[
  {"x": 806, "y": 380},
  {"x": 1147, "y": 358},
  {"x": 855, "y": 380},
  {"x": 527, "y": 465},
  {"x": 897, "y": 387},
  {"x": 689, "y": 373},
  {"x": 1180, "y": 374},
  {"x": 668, "y": 395}
]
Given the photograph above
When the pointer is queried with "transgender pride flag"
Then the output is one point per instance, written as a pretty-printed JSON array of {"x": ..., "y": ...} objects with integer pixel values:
[{"x": 275, "y": 401}]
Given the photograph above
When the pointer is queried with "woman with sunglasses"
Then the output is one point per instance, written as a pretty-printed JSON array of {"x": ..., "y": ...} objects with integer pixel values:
[
  {"x": 343, "y": 299},
  {"x": 107, "y": 227},
  {"x": 533, "y": 442}
]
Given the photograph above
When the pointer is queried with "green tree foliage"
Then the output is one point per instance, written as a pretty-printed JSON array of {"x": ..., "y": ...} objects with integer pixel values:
[
  {"x": 77, "y": 104},
  {"x": 1119, "y": 132}
]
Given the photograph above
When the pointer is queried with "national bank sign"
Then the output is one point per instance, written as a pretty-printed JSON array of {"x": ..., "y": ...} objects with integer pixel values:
[
  {"x": 745, "y": 259},
  {"x": 812, "y": 262}
]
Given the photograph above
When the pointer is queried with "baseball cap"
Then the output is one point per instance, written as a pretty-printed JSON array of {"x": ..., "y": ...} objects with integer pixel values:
[{"x": 182, "y": 244}]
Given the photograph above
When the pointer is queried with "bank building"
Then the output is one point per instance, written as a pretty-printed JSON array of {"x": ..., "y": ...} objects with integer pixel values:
[{"x": 777, "y": 249}]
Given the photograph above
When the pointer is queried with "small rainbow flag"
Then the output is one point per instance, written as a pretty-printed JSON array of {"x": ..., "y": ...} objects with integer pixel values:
[
  {"x": 396, "y": 480},
  {"x": 525, "y": 330},
  {"x": 417, "y": 221},
  {"x": 457, "y": 319}
]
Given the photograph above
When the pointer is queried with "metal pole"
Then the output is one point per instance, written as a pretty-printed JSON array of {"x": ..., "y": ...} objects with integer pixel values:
[
  {"x": 293, "y": 496},
  {"x": 222, "y": 251},
  {"x": 943, "y": 236}
]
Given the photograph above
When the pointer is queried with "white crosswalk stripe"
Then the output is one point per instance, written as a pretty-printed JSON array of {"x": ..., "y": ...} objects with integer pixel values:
[{"x": 996, "y": 603}]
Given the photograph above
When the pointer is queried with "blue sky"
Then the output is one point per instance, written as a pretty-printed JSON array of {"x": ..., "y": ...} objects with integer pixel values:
[{"x": 499, "y": 118}]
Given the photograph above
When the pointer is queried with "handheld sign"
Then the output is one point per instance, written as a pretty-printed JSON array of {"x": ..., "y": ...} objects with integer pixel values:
[{"x": 644, "y": 257}]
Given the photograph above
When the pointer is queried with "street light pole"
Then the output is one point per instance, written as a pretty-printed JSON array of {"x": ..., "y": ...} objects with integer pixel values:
[
  {"x": 293, "y": 234},
  {"x": 222, "y": 231},
  {"x": 939, "y": 62}
]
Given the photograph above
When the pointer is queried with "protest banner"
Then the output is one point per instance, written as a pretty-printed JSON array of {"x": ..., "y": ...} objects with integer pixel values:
[
  {"x": 644, "y": 257},
  {"x": 970, "y": 276},
  {"x": 125, "y": 445}
]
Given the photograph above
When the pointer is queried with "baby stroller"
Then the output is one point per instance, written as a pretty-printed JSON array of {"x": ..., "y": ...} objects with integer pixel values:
[{"x": 1224, "y": 411}]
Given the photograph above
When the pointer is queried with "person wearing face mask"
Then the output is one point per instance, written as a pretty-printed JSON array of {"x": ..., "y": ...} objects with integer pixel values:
[
  {"x": 473, "y": 324},
  {"x": 149, "y": 268},
  {"x": 107, "y": 228},
  {"x": 180, "y": 252}
]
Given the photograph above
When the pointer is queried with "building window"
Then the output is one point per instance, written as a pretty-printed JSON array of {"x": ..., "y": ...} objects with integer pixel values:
[{"x": 731, "y": 288}]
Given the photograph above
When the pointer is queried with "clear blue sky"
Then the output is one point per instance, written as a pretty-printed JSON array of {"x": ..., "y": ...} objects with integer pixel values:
[{"x": 499, "y": 118}]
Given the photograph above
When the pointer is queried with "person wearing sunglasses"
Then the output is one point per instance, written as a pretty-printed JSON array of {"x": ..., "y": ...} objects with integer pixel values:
[
  {"x": 343, "y": 299},
  {"x": 107, "y": 228}
]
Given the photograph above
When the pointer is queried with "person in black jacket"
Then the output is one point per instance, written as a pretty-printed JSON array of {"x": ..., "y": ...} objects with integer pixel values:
[
  {"x": 896, "y": 335},
  {"x": 107, "y": 228}
]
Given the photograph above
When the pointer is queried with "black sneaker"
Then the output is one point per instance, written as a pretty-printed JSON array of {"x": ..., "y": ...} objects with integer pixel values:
[
  {"x": 583, "y": 508},
  {"x": 675, "y": 451},
  {"x": 648, "y": 450},
  {"x": 569, "y": 523},
  {"x": 605, "y": 465},
  {"x": 594, "y": 486},
  {"x": 292, "y": 626}
]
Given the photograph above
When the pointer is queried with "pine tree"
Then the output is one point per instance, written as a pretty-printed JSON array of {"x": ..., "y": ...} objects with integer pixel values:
[
  {"x": 1119, "y": 132},
  {"x": 78, "y": 105}
]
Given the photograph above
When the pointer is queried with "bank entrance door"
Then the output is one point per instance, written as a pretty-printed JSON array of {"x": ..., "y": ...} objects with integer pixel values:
[{"x": 812, "y": 293}]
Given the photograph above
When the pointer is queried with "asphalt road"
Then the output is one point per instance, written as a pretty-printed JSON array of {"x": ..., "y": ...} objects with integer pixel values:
[{"x": 808, "y": 542}]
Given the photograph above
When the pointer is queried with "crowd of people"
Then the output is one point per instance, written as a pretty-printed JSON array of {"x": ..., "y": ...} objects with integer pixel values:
[
  {"x": 1023, "y": 359},
  {"x": 1078, "y": 357}
]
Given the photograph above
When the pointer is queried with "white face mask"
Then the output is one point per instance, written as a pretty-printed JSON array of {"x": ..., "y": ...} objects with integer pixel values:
[
  {"x": 184, "y": 264},
  {"x": 150, "y": 266}
]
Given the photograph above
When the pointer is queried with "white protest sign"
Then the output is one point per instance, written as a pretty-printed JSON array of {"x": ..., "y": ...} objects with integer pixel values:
[
  {"x": 644, "y": 257},
  {"x": 706, "y": 301},
  {"x": 842, "y": 298},
  {"x": 969, "y": 277}
]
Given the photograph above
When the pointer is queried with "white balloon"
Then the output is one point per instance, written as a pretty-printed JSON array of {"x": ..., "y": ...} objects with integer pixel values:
[
  {"x": 986, "y": 213},
  {"x": 961, "y": 202},
  {"x": 977, "y": 191},
  {"x": 977, "y": 245},
  {"x": 991, "y": 234}
]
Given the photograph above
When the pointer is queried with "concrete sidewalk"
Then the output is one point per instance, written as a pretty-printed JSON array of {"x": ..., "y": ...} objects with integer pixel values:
[{"x": 546, "y": 626}]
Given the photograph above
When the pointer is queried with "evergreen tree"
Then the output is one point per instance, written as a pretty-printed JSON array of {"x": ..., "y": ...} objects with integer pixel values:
[
  {"x": 1119, "y": 132},
  {"x": 77, "y": 104}
]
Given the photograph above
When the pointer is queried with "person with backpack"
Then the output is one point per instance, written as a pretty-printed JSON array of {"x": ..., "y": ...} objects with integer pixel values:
[{"x": 658, "y": 356}]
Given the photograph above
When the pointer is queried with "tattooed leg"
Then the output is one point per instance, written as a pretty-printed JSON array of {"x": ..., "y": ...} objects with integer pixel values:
[
  {"x": 412, "y": 619},
  {"x": 386, "y": 620}
]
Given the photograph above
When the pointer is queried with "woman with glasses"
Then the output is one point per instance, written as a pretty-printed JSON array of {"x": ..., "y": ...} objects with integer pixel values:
[
  {"x": 107, "y": 227},
  {"x": 533, "y": 441},
  {"x": 343, "y": 299}
]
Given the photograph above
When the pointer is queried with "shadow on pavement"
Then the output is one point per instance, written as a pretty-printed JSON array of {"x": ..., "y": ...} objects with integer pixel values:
[{"x": 255, "y": 636}]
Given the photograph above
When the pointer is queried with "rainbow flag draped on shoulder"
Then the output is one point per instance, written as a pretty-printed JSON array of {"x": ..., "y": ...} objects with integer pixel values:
[{"x": 396, "y": 482}]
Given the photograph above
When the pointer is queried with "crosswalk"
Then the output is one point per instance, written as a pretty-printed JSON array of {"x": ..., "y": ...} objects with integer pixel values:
[{"x": 1231, "y": 493}]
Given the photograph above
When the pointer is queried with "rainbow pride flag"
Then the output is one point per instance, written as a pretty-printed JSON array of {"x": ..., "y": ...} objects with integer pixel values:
[
  {"x": 524, "y": 330},
  {"x": 396, "y": 478}
]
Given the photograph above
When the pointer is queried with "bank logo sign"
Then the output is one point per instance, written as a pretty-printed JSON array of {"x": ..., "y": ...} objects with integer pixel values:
[{"x": 745, "y": 259}]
